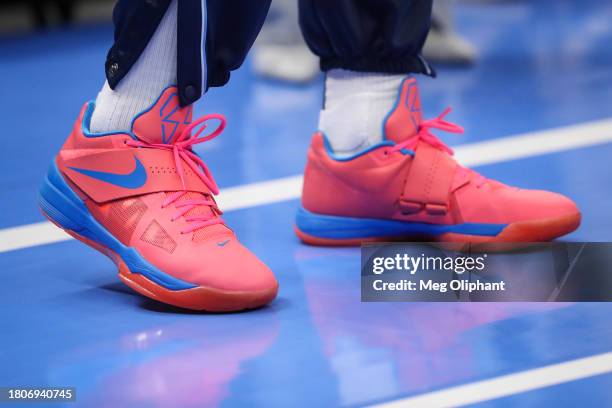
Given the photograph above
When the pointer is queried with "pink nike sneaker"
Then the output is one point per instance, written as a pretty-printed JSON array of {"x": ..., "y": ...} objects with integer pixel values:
[
  {"x": 409, "y": 187},
  {"x": 145, "y": 199}
]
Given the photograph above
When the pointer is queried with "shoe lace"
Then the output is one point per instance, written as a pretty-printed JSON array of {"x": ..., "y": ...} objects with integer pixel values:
[
  {"x": 424, "y": 134},
  {"x": 182, "y": 150}
]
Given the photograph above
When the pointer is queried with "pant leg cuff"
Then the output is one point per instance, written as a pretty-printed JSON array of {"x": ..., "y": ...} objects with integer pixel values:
[{"x": 415, "y": 65}]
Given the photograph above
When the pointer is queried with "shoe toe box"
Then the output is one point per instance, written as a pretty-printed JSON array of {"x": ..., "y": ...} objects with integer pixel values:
[
  {"x": 222, "y": 264},
  {"x": 230, "y": 266},
  {"x": 498, "y": 203},
  {"x": 527, "y": 205}
]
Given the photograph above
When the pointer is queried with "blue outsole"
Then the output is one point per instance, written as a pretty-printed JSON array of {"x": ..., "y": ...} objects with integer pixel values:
[{"x": 341, "y": 228}]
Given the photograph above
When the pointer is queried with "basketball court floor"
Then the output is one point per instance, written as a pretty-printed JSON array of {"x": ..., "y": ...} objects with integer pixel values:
[{"x": 537, "y": 109}]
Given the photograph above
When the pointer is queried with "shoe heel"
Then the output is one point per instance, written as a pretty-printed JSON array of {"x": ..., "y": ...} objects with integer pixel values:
[
  {"x": 64, "y": 208},
  {"x": 59, "y": 203}
]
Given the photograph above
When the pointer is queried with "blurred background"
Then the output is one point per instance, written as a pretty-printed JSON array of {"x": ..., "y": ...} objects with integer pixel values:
[
  {"x": 529, "y": 80},
  {"x": 18, "y": 17}
]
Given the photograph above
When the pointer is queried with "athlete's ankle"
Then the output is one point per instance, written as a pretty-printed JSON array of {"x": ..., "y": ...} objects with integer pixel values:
[
  {"x": 356, "y": 105},
  {"x": 154, "y": 71}
]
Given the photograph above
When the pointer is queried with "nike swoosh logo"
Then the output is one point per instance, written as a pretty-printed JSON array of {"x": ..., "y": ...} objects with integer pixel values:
[
  {"x": 137, "y": 178},
  {"x": 223, "y": 243}
]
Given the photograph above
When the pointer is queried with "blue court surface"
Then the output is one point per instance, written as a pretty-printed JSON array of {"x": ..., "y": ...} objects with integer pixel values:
[{"x": 66, "y": 320}]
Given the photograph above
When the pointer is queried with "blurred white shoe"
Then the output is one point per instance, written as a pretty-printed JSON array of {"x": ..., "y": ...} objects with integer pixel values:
[
  {"x": 447, "y": 47},
  {"x": 444, "y": 45},
  {"x": 285, "y": 62},
  {"x": 280, "y": 51}
]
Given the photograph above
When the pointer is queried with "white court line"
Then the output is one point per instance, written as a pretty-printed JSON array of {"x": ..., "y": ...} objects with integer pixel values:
[
  {"x": 510, "y": 384},
  {"x": 288, "y": 188}
]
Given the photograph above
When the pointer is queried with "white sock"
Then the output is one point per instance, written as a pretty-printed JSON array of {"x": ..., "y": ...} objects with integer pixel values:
[
  {"x": 356, "y": 105},
  {"x": 154, "y": 71}
]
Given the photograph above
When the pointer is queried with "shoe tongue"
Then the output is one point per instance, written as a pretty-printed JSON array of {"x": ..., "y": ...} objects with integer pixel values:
[
  {"x": 404, "y": 120},
  {"x": 164, "y": 121}
]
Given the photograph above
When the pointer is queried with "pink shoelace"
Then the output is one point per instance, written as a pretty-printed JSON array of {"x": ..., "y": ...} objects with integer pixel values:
[
  {"x": 182, "y": 151},
  {"x": 426, "y": 136}
]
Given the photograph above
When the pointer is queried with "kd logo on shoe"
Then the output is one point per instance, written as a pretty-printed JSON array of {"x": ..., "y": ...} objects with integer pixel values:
[
  {"x": 413, "y": 103},
  {"x": 136, "y": 179},
  {"x": 172, "y": 116}
]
